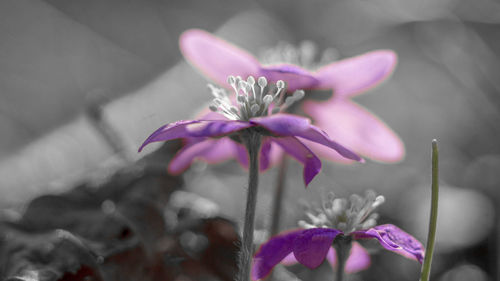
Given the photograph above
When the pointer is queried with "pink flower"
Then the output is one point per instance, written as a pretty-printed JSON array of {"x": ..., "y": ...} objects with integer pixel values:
[
  {"x": 221, "y": 133},
  {"x": 353, "y": 124},
  {"x": 340, "y": 221},
  {"x": 311, "y": 247}
]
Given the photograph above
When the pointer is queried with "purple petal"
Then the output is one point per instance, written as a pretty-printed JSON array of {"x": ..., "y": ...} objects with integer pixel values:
[
  {"x": 312, "y": 164},
  {"x": 357, "y": 74},
  {"x": 358, "y": 260},
  {"x": 265, "y": 154},
  {"x": 272, "y": 252},
  {"x": 209, "y": 150},
  {"x": 216, "y": 58},
  {"x": 295, "y": 77},
  {"x": 195, "y": 129},
  {"x": 292, "y": 125},
  {"x": 394, "y": 239},
  {"x": 311, "y": 246},
  {"x": 356, "y": 127}
]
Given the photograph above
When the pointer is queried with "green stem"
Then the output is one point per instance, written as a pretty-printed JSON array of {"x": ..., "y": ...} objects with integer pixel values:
[
  {"x": 253, "y": 142},
  {"x": 431, "y": 237},
  {"x": 342, "y": 246}
]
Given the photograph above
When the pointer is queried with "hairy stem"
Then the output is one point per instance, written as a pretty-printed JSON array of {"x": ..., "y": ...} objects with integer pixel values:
[
  {"x": 252, "y": 142},
  {"x": 431, "y": 236},
  {"x": 342, "y": 246}
]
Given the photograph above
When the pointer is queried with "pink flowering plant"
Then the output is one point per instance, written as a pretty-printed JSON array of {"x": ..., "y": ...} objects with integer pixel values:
[
  {"x": 352, "y": 125},
  {"x": 332, "y": 235},
  {"x": 252, "y": 112},
  {"x": 252, "y": 118}
]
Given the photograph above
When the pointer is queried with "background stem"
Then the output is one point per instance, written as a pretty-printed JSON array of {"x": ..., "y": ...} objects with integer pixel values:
[
  {"x": 431, "y": 237},
  {"x": 278, "y": 196}
]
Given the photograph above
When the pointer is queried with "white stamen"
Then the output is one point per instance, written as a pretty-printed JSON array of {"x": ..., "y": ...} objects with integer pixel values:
[
  {"x": 299, "y": 94},
  {"x": 308, "y": 52},
  {"x": 338, "y": 205},
  {"x": 262, "y": 81},
  {"x": 241, "y": 85},
  {"x": 268, "y": 99},
  {"x": 254, "y": 108},
  {"x": 233, "y": 110},
  {"x": 241, "y": 99},
  {"x": 347, "y": 215},
  {"x": 289, "y": 101},
  {"x": 378, "y": 201},
  {"x": 280, "y": 84},
  {"x": 305, "y": 54},
  {"x": 213, "y": 107},
  {"x": 305, "y": 225},
  {"x": 251, "y": 80},
  {"x": 251, "y": 98},
  {"x": 276, "y": 95}
]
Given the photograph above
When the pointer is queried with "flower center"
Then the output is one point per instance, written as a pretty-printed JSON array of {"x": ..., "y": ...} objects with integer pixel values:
[
  {"x": 252, "y": 99},
  {"x": 346, "y": 215},
  {"x": 306, "y": 55}
]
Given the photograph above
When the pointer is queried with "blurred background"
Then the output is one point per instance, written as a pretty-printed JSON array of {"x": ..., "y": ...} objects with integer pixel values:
[{"x": 83, "y": 83}]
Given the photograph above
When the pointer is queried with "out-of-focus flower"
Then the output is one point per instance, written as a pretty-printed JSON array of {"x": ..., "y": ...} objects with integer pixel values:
[
  {"x": 353, "y": 124},
  {"x": 339, "y": 221},
  {"x": 254, "y": 110}
]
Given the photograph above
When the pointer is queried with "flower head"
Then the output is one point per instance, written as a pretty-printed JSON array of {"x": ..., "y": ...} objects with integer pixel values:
[
  {"x": 354, "y": 125},
  {"x": 255, "y": 108},
  {"x": 252, "y": 99},
  {"x": 339, "y": 220}
]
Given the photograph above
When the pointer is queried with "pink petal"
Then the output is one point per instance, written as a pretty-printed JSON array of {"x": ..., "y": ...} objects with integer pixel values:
[
  {"x": 216, "y": 58},
  {"x": 312, "y": 164},
  {"x": 331, "y": 256},
  {"x": 295, "y": 76},
  {"x": 209, "y": 150},
  {"x": 266, "y": 154},
  {"x": 311, "y": 246},
  {"x": 195, "y": 129},
  {"x": 351, "y": 124},
  {"x": 289, "y": 260},
  {"x": 354, "y": 75},
  {"x": 292, "y": 125},
  {"x": 242, "y": 155},
  {"x": 394, "y": 239},
  {"x": 272, "y": 252},
  {"x": 358, "y": 260}
]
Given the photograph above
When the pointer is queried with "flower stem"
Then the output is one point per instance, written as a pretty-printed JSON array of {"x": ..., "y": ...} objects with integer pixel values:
[
  {"x": 278, "y": 196},
  {"x": 252, "y": 142},
  {"x": 342, "y": 246},
  {"x": 431, "y": 237}
]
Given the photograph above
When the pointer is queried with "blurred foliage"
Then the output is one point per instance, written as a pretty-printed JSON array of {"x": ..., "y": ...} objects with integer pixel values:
[{"x": 123, "y": 229}]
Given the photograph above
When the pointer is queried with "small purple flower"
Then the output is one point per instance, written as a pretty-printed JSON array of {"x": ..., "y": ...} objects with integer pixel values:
[
  {"x": 354, "y": 125},
  {"x": 338, "y": 220},
  {"x": 256, "y": 107}
]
